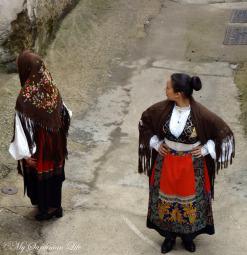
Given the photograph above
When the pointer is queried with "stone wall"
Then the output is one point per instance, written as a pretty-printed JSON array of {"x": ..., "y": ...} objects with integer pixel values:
[{"x": 29, "y": 24}]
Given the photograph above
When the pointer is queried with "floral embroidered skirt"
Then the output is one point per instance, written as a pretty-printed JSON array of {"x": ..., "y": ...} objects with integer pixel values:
[{"x": 180, "y": 197}]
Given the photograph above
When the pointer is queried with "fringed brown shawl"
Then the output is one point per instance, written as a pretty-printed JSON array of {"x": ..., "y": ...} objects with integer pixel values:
[
  {"x": 39, "y": 98},
  {"x": 208, "y": 126},
  {"x": 39, "y": 106}
]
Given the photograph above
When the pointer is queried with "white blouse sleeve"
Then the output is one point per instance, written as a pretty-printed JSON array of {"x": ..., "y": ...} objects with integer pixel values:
[
  {"x": 155, "y": 142},
  {"x": 19, "y": 148},
  {"x": 209, "y": 148},
  {"x": 69, "y": 111}
]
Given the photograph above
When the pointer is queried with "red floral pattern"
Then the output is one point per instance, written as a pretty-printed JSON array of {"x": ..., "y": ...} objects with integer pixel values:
[{"x": 43, "y": 94}]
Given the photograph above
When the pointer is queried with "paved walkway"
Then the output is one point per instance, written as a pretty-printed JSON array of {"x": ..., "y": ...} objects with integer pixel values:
[{"x": 105, "y": 200}]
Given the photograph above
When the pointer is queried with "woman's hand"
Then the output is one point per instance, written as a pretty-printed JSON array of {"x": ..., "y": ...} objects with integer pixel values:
[
  {"x": 163, "y": 150},
  {"x": 31, "y": 162},
  {"x": 197, "y": 151}
]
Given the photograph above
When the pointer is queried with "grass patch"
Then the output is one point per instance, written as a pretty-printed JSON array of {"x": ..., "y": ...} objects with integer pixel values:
[{"x": 241, "y": 82}]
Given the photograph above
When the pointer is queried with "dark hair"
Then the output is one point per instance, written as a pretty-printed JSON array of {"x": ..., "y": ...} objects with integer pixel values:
[{"x": 182, "y": 82}]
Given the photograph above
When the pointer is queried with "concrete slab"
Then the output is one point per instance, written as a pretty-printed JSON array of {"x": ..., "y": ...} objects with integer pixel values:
[
  {"x": 218, "y": 2},
  {"x": 105, "y": 211},
  {"x": 233, "y": 5}
]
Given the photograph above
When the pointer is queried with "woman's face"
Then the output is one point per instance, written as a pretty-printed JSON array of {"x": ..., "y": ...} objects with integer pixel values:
[{"x": 171, "y": 95}]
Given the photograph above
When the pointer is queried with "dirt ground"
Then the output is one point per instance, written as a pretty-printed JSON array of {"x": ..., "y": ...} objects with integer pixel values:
[{"x": 111, "y": 60}]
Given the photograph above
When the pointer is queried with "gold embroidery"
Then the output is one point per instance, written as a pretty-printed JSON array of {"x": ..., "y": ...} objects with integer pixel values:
[{"x": 193, "y": 134}]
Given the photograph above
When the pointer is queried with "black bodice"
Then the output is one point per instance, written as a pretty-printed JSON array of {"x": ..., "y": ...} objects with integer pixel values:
[{"x": 188, "y": 136}]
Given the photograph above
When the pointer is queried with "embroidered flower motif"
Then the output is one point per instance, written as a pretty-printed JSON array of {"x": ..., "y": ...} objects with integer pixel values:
[
  {"x": 190, "y": 212},
  {"x": 42, "y": 94},
  {"x": 163, "y": 209},
  {"x": 193, "y": 134},
  {"x": 177, "y": 213}
]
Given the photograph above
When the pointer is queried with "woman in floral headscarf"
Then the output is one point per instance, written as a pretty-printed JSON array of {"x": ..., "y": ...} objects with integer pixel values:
[{"x": 40, "y": 136}]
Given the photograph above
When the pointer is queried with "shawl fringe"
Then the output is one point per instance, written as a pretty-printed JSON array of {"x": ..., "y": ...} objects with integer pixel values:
[
  {"x": 145, "y": 157},
  {"x": 55, "y": 147}
]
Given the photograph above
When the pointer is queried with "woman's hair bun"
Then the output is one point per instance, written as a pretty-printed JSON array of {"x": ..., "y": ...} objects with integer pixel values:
[{"x": 196, "y": 83}]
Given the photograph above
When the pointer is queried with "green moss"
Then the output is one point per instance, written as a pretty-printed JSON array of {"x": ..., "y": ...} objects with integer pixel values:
[
  {"x": 22, "y": 35},
  {"x": 2, "y": 68},
  {"x": 241, "y": 82},
  {"x": 42, "y": 33}
]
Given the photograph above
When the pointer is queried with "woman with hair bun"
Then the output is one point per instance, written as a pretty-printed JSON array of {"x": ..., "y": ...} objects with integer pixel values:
[{"x": 181, "y": 146}]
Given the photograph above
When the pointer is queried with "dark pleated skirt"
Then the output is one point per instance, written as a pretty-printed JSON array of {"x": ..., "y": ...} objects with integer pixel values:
[{"x": 45, "y": 193}]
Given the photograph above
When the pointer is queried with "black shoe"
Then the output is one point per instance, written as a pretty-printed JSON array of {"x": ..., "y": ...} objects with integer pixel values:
[
  {"x": 57, "y": 213},
  {"x": 42, "y": 216},
  {"x": 189, "y": 246},
  {"x": 167, "y": 245},
  {"x": 46, "y": 216}
]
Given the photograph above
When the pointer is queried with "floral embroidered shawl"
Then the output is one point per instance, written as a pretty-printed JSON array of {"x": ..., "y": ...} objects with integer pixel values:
[
  {"x": 40, "y": 108},
  {"x": 39, "y": 98}
]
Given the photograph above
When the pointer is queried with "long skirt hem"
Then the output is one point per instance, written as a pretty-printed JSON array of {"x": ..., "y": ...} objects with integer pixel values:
[
  {"x": 209, "y": 229},
  {"x": 44, "y": 193}
]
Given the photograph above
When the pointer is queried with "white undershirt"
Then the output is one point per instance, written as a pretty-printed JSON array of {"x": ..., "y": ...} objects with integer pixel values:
[
  {"x": 177, "y": 124},
  {"x": 19, "y": 148},
  {"x": 178, "y": 120}
]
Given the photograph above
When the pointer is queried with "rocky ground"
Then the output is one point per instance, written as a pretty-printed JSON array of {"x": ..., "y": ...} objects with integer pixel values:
[{"x": 111, "y": 60}]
